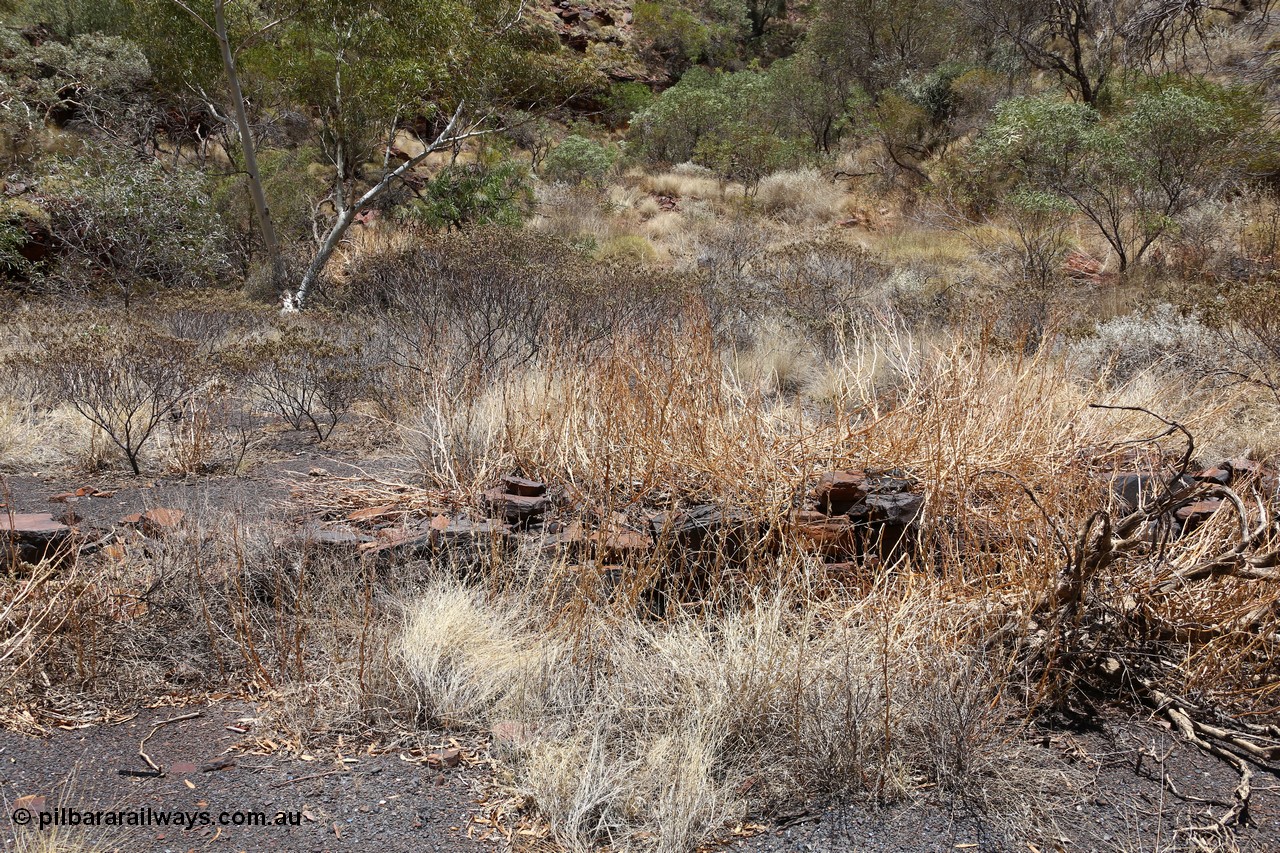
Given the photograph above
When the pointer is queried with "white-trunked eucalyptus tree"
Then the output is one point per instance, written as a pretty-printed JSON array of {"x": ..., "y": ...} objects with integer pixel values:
[{"x": 368, "y": 71}]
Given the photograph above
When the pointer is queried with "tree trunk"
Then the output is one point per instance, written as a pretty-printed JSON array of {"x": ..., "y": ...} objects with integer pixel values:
[
  {"x": 296, "y": 300},
  {"x": 246, "y": 143}
]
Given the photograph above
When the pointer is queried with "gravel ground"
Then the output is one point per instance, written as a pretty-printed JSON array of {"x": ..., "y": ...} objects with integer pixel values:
[{"x": 385, "y": 803}]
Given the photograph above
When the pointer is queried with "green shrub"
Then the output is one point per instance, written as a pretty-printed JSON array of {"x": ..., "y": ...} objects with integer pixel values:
[
  {"x": 71, "y": 18},
  {"x": 1167, "y": 146},
  {"x": 95, "y": 80},
  {"x": 625, "y": 100},
  {"x": 726, "y": 122},
  {"x": 579, "y": 160},
  {"x": 476, "y": 194}
]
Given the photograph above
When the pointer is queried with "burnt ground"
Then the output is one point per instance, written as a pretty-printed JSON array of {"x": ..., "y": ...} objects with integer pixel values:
[
  {"x": 1118, "y": 805},
  {"x": 379, "y": 800},
  {"x": 343, "y": 800},
  {"x": 353, "y": 799}
]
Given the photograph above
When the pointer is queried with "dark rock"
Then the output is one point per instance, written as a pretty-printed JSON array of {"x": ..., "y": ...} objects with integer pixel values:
[
  {"x": 573, "y": 538},
  {"x": 519, "y": 510},
  {"x": 1242, "y": 468},
  {"x": 463, "y": 534},
  {"x": 451, "y": 757},
  {"x": 901, "y": 508},
  {"x": 333, "y": 537},
  {"x": 1137, "y": 490},
  {"x": 437, "y": 536},
  {"x": 692, "y": 527}
]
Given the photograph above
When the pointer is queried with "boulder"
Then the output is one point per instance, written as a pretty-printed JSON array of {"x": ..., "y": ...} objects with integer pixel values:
[
  {"x": 463, "y": 534},
  {"x": 859, "y": 512}
]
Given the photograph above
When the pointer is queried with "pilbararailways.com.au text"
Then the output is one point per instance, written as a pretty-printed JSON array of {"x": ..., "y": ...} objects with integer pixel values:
[{"x": 149, "y": 817}]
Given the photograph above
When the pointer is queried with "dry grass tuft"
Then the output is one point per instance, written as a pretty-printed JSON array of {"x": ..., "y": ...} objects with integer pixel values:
[
  {"x": 801, "y": 197},
  {"x": 656, "y": 735}
]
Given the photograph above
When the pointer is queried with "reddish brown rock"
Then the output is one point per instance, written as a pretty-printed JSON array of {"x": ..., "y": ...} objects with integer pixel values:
[
  {"x": 445, "y": 758},
  {"x": 34, "y": 536},
  {"x": 618, "y": 544},
  {"x": 572, "y": 538},
  {"x": 830, "y": 536},
  {"x": 161, "y": 521},
  {"x": 1082, "y": 267},
  {"x": 838, "y": 491},
  {"x": 514, "y": 485},
  {"x": 371, "y": 513},
  {"x": 1196, "y": 513},
  {"x": 1220, "y": 474}
]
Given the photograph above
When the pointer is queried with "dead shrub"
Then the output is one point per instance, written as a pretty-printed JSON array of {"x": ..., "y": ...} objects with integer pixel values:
[
  {"x": 825, "y": 287},
  {"x": 309, "y": 370},
  {"x": 214, "y": 430},
  {"x": 124, "y": 379},
  {"x": 467, "y": 305}
]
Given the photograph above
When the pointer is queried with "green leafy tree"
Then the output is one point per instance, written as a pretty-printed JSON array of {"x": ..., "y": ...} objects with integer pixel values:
[
  {"x": 673, "y": 33},
  {"x": 442, "y": 68},
  {"x": 1131, "y": 172},
  {"x": 729, "y": 123},
  {"x": 872, "y": 44}
]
